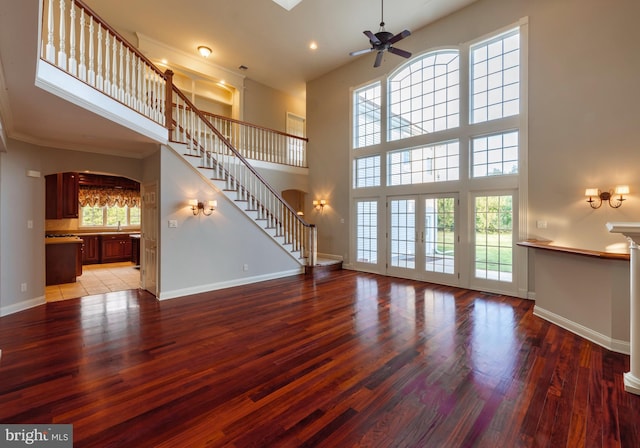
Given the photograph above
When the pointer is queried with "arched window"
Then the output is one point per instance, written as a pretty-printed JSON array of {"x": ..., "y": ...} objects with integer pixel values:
[{"x": 424, "y": 95}]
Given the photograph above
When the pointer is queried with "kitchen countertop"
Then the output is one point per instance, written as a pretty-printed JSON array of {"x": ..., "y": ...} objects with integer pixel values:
[{"x": 63, "y": 240}]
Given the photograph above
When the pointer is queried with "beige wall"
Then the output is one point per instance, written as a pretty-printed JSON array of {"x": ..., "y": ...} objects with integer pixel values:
[
  {"x": 268, "y": 107},
  {"x": 583, "y": 67}
]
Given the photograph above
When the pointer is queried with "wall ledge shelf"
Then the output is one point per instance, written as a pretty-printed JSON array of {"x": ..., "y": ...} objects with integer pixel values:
[{"x": 548, "y": 245}]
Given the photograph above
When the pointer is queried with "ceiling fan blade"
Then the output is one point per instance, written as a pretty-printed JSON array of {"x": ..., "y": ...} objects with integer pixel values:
[
  {"x": 399, "y": 36},
  {"x": 378, "y": 59},
  {"x": 399, "y": 52},
  {"x": 372, "y": 37},
  {"x": 359, "y": 52}
]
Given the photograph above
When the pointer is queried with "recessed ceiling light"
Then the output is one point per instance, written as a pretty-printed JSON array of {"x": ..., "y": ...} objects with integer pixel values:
[
  {"x": 287, "y": 4},
  {"x": 313, "y": 45},
  {"x": 204, "y": 51}
]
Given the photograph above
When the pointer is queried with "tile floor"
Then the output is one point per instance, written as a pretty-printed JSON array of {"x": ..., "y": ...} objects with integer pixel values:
[{"x": 97, "y": 279}]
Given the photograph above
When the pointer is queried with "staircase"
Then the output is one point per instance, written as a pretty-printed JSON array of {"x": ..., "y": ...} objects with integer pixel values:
[{"x": 78, "y": 42}]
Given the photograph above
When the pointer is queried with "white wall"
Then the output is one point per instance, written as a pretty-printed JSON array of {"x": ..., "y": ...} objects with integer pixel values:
[
  {"x": 583, "y": 114},
  {"x": 204, "y": 253}
]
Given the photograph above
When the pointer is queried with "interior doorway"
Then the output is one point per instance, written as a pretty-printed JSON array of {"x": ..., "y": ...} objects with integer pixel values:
[{"x": 107, "y": 219}]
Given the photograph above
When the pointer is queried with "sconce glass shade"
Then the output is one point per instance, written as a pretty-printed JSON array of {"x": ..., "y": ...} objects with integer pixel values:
[
  {"x": 193, "y": 202},
  {"x": 590, "y": 192},
  {"x": 622, "y": 189}
]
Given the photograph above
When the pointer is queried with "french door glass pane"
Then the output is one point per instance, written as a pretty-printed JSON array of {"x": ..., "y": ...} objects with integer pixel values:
[
  {"x": 403, "y": 233},
  {"x": 494, "y": 238},
  {"x": 439, "y": 235}
]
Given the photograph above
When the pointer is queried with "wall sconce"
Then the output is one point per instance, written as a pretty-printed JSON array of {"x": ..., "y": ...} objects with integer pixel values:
[
  {"x": 607, "y": 196},
  {"x": 198, "y": 207},
  {"x": 204, "y": 51},
  {"x": 319, "y": 204}
]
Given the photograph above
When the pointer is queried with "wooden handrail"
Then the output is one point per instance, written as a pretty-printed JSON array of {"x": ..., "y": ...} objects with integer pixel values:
[
  {"x": 255, "y": 126},
  {"x": 237, "y": 154}
]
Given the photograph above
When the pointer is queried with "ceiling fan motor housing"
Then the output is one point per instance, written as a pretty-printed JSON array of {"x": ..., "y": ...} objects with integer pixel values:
[{"x": 383, "y": 37}]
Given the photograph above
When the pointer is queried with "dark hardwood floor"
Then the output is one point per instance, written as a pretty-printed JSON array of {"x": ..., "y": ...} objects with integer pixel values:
[{"x": 346, "y": 359}]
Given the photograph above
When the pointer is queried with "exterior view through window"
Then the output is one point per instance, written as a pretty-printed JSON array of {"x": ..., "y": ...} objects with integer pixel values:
[{"x": 436, "y": 165}]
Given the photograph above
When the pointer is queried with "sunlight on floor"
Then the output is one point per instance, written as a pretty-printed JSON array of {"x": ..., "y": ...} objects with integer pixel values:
[{"x": 97, "y": 279}]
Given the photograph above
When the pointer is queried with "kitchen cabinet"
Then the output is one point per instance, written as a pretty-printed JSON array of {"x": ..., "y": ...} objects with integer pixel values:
[
  {"x": 115, "y": 248},
  {"x": 61, "y": 196},
  {"x": 90, "y": 249},
  {"x": 63, "y": 260}
]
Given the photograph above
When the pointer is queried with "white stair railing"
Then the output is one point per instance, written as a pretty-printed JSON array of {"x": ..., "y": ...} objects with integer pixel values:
[{"x": 225, "y": 163}]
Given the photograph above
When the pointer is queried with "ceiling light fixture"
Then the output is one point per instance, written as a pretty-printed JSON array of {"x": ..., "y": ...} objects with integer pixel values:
[
  {"x": 313, "y": 45},
  {"x": 204, "y": 51}
]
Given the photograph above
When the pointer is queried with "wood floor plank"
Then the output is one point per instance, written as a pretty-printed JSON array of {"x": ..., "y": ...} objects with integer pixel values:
[{"x": 346, "y": 360}]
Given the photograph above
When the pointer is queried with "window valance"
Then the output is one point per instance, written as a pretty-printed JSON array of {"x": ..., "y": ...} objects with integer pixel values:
[{"x": 108, "y": 196}]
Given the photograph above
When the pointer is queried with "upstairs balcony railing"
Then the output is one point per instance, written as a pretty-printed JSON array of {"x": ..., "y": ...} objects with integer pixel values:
[
  {"x": 259, "y": 143},
  {"x": 77, "y": 41}
]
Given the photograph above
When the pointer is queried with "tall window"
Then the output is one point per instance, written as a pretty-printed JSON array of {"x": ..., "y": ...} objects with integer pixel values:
[
  {"x": 367, "y": 232},
  {"x": 366, "y": 116},
  {"x": 453, "y": 135},
  {"x": 495, "y": 78},
  {"x": 424, "y": 97}
]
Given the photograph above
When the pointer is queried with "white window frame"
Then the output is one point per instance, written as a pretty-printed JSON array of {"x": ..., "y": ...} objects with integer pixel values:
[{"x": 467, "y": 186}]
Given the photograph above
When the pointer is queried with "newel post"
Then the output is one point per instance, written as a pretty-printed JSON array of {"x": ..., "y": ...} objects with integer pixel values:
[
  {"x": 313, "y": 245},
  {"x": 632, "y": 232},
  {"x": 168, "y": 98}
]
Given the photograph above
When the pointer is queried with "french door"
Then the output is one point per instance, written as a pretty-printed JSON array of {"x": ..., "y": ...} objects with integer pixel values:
[{"x": 422, "y": 237}]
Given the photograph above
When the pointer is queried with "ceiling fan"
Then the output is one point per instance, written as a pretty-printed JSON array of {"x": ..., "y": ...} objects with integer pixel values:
[{"x": 383, "y": 41}]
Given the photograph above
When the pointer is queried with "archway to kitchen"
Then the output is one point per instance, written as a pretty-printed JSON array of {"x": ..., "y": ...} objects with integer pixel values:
[{"x": 92, "y": 234}]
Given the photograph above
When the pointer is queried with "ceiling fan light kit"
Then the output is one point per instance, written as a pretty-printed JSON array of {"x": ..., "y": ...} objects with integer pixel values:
[{"x": 383, "y": 41}]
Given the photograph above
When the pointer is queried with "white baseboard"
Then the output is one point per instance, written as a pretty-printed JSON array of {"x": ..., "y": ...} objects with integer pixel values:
[
  {"x": 226, "y": 284},
  {"x": 21, "y": 306},
  {"x": 615, "y": 345},
  {"x": 329, "y": 256}
]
